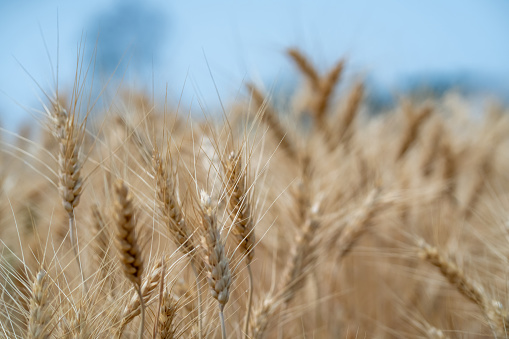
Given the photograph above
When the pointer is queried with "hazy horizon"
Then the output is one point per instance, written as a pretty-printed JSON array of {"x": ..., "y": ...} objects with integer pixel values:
[{"x": 187, "y": 44}]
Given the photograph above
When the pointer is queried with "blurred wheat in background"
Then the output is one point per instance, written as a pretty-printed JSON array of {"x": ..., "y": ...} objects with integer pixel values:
[{"x": 310, "y": 213}]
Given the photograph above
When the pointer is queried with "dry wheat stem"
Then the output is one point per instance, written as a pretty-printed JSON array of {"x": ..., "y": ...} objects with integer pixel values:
[
  {"x": 198, "y": 291},
  {"x": 73, "y": 234},
  {"x": 223, "y": 325},
  {"x": 484, "y": 172},
  {"x": 249, "y": 302},
  {"x": 101, "y": 243}
]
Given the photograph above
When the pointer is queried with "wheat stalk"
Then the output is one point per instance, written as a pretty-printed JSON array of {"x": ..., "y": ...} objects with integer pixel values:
[
  {"x": 450, "y": 168},
  {"x": 327, "y": 86},
  {"x": 239, "y": 208},
  {"x": 344, "y": 127},
  {"x": 269, "y": 116},
  {"x": 126, "y": 242},
  {"x": 40, "y": 313},
  {"x": 170, "y": 207},
  {"x": 173, "y": 216},
  {"x": 167, "y": 316},
  {"x": 302, "y": 258},
  {"x": 262, "y": 316},
  {"x": 79, "y": 328},
  {"x": 484, "y": 172},
  {"x": 305, "y": 67},
  {"x": 70, "y": 183},
  {"x": 217, "y": 263},
  {"x": 298, "y": 267},
  {"x": 238, "y": 205},
  {"x": 322, "y": 87},
  {"x": 414, "y": 121},
  {"x": 101, "y": 241},
  {"x": 148, "y": 287},
  {"x": 497, "y": 316},
  {"x": 345, "y": 238}
]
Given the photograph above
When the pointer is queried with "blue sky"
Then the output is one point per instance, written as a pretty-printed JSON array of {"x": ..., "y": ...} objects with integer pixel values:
[{"x": 387, "y": 41}]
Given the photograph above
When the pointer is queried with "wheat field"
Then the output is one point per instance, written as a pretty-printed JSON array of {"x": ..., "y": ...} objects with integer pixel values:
[{"x": 314, "y": 218}]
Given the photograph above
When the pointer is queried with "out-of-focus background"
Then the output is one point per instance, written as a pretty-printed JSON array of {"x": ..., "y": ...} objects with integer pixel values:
[{"x": 195, "y": 47}]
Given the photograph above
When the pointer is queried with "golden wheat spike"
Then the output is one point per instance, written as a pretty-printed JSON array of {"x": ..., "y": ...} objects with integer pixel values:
[
  {"x": 40, "y": 313},
  {"x": 305, "y": 67},
  {"x": 269, "y": 116}
]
